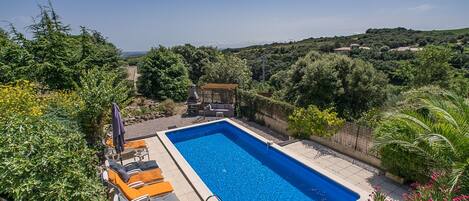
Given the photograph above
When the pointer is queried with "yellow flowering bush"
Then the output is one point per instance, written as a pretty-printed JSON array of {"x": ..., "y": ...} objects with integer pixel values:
[
  {"x": 62, "y": 103},
  {"x": 312, "y": 121},
  {"x": 20, "y": 98},
  {"x": 43, "y": 153}
]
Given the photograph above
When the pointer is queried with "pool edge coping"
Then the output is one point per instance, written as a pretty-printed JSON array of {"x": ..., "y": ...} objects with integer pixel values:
[{"x": 204, "y": 192}]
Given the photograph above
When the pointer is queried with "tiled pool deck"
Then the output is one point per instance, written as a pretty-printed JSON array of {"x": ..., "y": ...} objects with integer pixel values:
[
  {"x": 171, "y": 172},
  {"x": 353, "y": 171}
]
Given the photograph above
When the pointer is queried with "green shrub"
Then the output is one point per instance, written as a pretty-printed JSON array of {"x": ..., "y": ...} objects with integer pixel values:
[
  {"x": 43, "y": 158},
  {"x": 98, "y": 89},
  {"x": 312, "y": 121},
  {"x": 43, "y": 154},
  {"x": 407, "y": 164},
  {"x": 168, "y": 107},
  {"x": 427, "y": 133},
  {"x": 459, "y": 83},
  {"x": 64, "y": 104}
]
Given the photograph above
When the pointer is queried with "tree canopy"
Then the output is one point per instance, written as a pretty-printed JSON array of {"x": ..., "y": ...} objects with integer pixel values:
[
  {"x": 275, "y": 57},
  {"x": 53, "y": 56},
  {"x": 432, "y": 66},
  {"x": 227, "y": 69},
  {"x": 163, "y": 75},
  {"x": 196, "y": 59},
  {"x": 351, "y": 85}
]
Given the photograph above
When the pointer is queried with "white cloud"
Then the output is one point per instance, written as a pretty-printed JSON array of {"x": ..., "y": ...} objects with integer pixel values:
[{"x": 422, "y": 7}]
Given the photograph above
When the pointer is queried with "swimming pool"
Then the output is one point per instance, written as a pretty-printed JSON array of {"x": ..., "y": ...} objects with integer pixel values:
[{"x": 236, "y": 164}]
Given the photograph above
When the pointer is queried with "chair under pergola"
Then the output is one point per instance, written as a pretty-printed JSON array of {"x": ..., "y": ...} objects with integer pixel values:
[{"x": 218, "y": 99}]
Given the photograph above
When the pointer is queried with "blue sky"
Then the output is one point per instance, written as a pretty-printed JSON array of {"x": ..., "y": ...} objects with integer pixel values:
[{"x": 139, "y": 25}]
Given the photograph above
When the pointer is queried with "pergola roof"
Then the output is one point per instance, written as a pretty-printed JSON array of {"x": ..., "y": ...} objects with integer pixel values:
[{"x": 219, "y": 86}]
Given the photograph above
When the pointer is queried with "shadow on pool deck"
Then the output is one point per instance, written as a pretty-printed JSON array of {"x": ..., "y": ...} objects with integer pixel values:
[{"x": 354, "y": 171}]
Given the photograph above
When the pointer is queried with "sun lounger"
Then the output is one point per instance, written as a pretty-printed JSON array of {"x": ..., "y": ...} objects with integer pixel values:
[
  {"x": 132, "y": 166},
  {"x": 168, "y": 197},
  {"x": 136, "y": 149},
  {"x": 139, "y": 191},
  {"x": 134, "y": 144},
  {"x": 148, "y": 176}
]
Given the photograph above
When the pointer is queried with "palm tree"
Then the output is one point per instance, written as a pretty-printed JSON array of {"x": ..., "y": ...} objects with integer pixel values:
[{"x": 430, "y": 132}]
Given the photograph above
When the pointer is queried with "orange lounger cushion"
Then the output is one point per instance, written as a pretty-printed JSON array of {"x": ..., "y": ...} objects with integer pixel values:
[
  {"x": 132, "y": 193},
  {"x": 135, "y": 144},
  {"x": 146, "y": 176},
  {"x": 156, "y": 189},
  {"x": 109, "y": 142}
]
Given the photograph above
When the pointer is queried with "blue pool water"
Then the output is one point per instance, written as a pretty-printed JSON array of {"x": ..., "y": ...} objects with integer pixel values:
[{"x": 238, "y": 167}]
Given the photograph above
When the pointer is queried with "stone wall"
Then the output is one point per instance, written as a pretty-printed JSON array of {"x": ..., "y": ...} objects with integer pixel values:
[{"x": 277, "y": 125}]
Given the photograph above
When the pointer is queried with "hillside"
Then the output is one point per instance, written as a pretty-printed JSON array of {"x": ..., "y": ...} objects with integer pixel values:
[
  {"x": 271, "y": 58},
  {"x": 130, "y": 54}
]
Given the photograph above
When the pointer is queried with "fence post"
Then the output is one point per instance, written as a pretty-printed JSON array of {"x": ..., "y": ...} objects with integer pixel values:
[{"x": 356, "y": 139}]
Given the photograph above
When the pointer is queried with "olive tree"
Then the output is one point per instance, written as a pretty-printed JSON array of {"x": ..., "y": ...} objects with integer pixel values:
[
  {"x": 432, "y": 66},
  {"x": 352, "y": 86},
  {"x": 228, "y": 69}
]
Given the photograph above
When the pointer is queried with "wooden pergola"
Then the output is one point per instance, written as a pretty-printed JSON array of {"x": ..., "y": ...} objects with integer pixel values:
[{"x": 218, "y": 93}]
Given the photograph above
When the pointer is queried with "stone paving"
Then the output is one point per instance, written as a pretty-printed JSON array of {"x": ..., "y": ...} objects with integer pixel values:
[
  {"x": 171, "y": 172},
  {"x": 149, "y": 128},
  {"x": 355, "y": 172}
]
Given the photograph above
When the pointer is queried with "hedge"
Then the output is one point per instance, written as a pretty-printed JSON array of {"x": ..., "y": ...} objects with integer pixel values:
[{"x": 250, "y": 103}]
